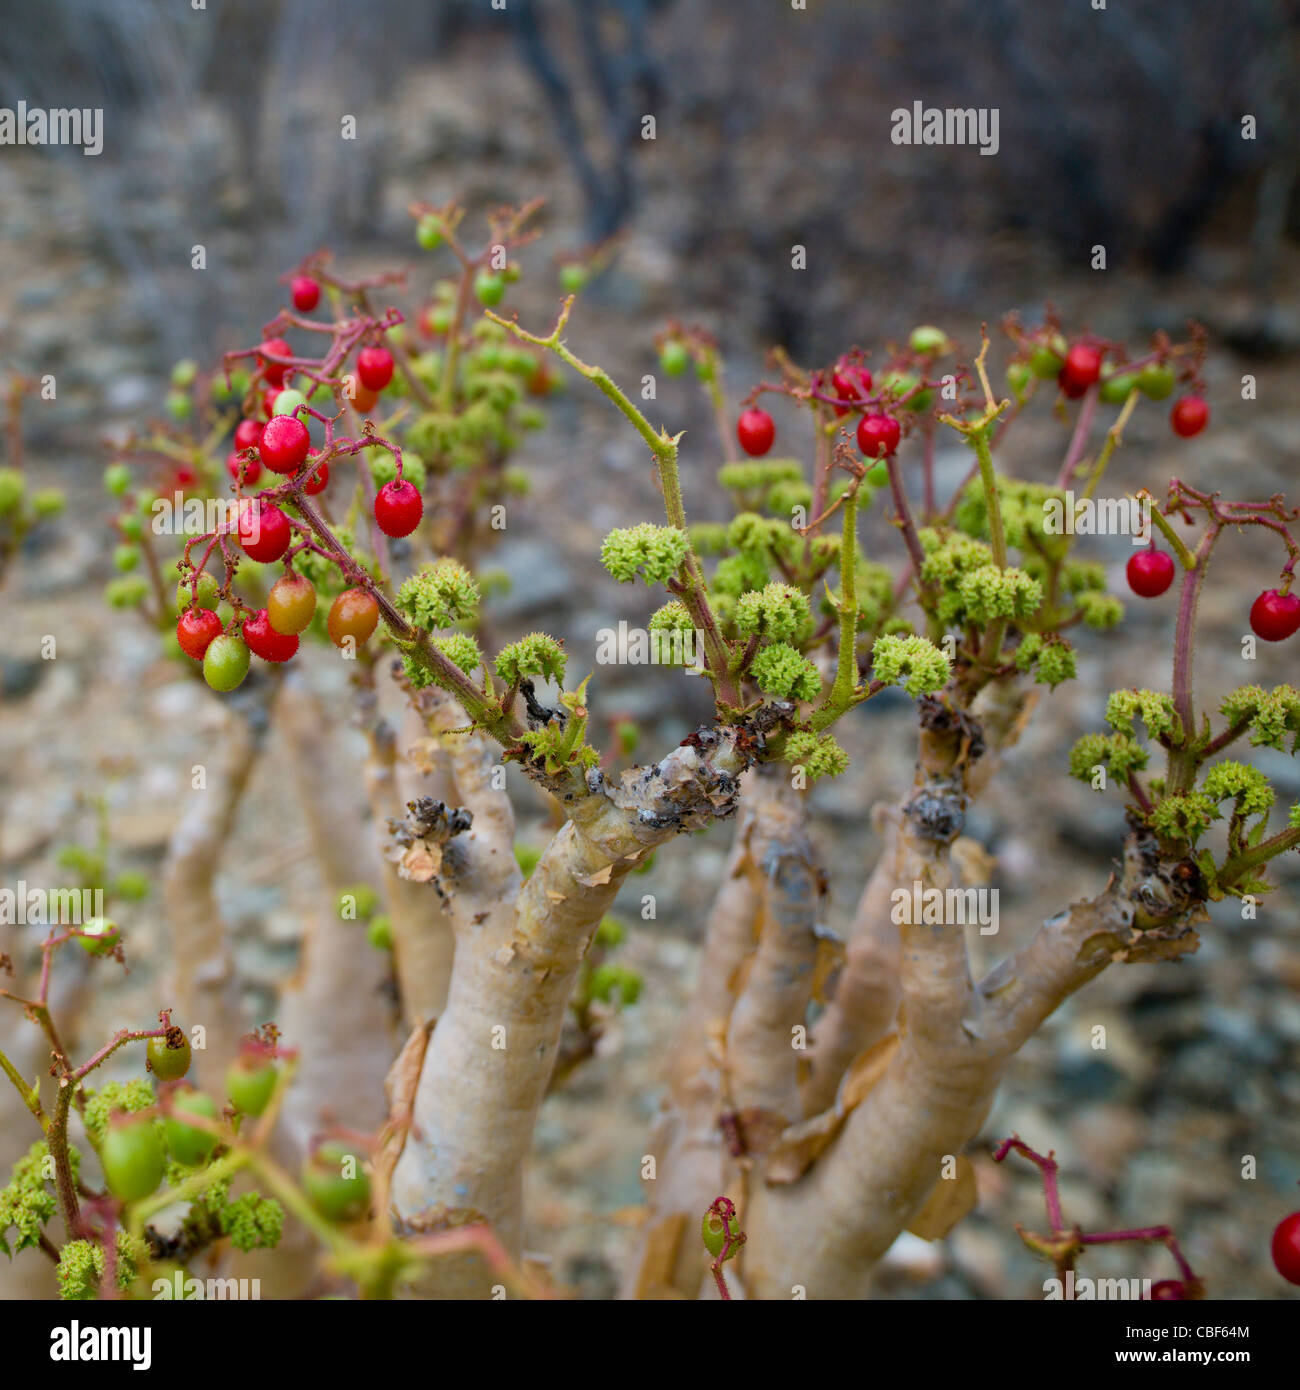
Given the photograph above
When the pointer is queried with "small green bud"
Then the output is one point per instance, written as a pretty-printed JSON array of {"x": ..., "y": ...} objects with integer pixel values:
[
  {"x": 428, "y": 231},
  {"x": 1045, "y": 364},
  {"x": 674, "y": 358},
  {"x": 117, "y": 479}
]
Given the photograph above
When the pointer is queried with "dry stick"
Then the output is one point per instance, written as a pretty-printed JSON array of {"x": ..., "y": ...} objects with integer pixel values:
[{"x": 490, "y": 1058}]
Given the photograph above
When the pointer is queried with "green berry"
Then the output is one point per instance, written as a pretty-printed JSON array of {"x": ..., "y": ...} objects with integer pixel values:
[
  {"x": 1045, "y": 364},
  {"x": 189, "y": 1144},
  {"x": 428, "y": 232},
  {"x": 225, "y": 663},
  {"x": 125, "y": 558},
  {"x": 1156, "y": 381},
  {"x": 288, "y": 401},
  {"x": 489, "y": 287},
  {"x": 179, "y": 406},
  {"x": 168, "y": 1057},
  {"x": 929, "y": 341},
  {"x": 117, "y": 479},
  {"x": 209, "y": 592},
  {"x": 1019, "y": 376},
  {"x": 337, "y": 1196},
  {"x": 184, "y": 372},
  {"x": 1116, "y": 387},
  {"x": 715, "y": 1233},
  {"x": 250, "y": 1083},
  {"x": 380, "y": 932},
  {"x": 99, "y": 935},
  {"x": 573, "y": 277},
  {"x": 673, "y": 357},
  {"x": 131, "y": 1155}
]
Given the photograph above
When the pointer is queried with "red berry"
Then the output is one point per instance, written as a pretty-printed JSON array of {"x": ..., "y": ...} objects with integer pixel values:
[
  {"x": 851, "y": 384},
  {"x": 1167, "y": 1291},
  {"x": 756, "y": 431},
  {"x": 185, "y": 476},
  {"x": 398, "y": 508},
  {"x": 1082, "y": 368},
  {"x": 1275, "y": 616},
  {"x": 1286, "y": 1248},
  {"x": 305, "y": 292},
  {"x": 274, "y": 371},
  {"x": 264, "y": 641},
  {"x": 1189, "y": 416},
  {"x": 284, "y": 443},
  {"x": 375, "y": 367},
  {"x": 878, "y": 435},
  {"x": 195, "y": 628},
  {"x": 319, "y": 480},
  {"x": 268, "y": 400},
  {"x": 248, "y": 433},
  {"x": 236, "y": 466},
  {"x": 1150, "y": 573},
  {"x": 263, "y": 531}
]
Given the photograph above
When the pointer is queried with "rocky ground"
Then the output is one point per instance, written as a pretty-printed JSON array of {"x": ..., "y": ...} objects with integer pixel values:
[{"x": 1201, "y": 1068}]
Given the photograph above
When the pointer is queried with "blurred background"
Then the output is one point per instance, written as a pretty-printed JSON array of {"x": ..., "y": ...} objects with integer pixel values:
[{"x": 1119, "y": 127}]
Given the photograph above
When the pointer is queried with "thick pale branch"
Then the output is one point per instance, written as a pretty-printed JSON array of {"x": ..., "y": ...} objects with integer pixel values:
[
  {"x": 491, "y": 1054},
  {"x": 826, "y": 1231},
  {"x": 762, "y": 1060},
  {"x": 423, "y": 942},
  {"x": 205, "y": 984},
  {"x": 867, "y": 992},
  {"x": 336, "y": 1009}
]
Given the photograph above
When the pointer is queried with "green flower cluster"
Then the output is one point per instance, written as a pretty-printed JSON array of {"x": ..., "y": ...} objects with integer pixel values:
[
  {"x": 654, "y": 553},
  {"x": 252, "y": 1222},
  {"x": 461, "y": 650},
  {"x": 781, "y": 671},
  {"x": 1119, "y": 754},
  {"x": 1273, "y": 715},
  {"x": 913, "y": 662},
  {"x": 537, "y": 654},
  {"x": 81, "y": 1266},
  {"x": 1051, "y": 658},
  {"x": 778, "y": 612},
  {"x": 819, "y": 757},
  {"x": 126, "y": 1096},
  {"x": 439, "y": 594},
  {"x": 1025, "y": 508},
  {"x": 972, "y": 590},
  {"x": 26, "y": 1204}
]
